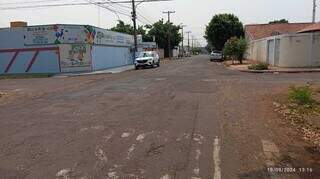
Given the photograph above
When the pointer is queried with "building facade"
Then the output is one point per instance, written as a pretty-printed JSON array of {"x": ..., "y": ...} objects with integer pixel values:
[
  {"x": 284, "y": 45},
  {"x": 62, "y": 48}
]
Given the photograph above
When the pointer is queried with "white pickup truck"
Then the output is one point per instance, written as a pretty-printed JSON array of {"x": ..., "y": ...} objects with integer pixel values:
[{"x": 147, "y": 59}]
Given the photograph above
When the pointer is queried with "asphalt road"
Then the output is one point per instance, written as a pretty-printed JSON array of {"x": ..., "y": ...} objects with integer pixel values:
[{"x": 187, "y": 119}]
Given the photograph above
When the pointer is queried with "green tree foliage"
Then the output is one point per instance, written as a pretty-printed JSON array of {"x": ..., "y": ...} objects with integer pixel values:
[
  {"x": 128, "y": 29},
  {"x": 160, "y": 30},
  {"x": 242, "y": 46},
  {"x": 221, "y": 28},
  {"x": 279, "y": 21},
  {"x": 235, "y": 48}
]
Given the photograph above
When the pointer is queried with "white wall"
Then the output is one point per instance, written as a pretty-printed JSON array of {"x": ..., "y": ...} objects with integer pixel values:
[{"x": 294, "y": 50}]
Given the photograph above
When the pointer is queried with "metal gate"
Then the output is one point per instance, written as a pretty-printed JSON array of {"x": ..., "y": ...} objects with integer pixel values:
[
  {"x": 277, "y": 53},
  {"x": 270, "y": 52}
]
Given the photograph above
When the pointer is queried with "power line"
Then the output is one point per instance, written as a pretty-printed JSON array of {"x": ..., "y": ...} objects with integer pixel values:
[
  {"x": 71, "y": 4},
  {"x": 29, "y": 2}
]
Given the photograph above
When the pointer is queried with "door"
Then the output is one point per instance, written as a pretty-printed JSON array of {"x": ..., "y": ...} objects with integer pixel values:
[
  {"x": 270, "y": 52},
  {"x": 277, "y": 53}
]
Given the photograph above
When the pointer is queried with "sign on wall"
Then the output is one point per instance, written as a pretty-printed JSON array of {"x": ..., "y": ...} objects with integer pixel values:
[
  {"x": 105, "y": 37},
  {"x": 75, "y": 57},
  {"x": 68, "y": 34},
  {"x": 55, "y": 34}
]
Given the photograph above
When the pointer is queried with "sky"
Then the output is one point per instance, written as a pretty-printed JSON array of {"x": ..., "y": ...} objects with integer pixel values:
[{"x": 195, "y": 14}]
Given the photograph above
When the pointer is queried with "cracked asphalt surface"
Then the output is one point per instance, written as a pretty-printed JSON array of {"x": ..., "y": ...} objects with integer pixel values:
[{"x": 152, "y": 123}]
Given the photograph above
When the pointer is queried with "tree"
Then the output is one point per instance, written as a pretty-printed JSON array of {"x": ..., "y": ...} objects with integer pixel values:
[
  {"x": 160, "y": 31},
  {"x": 128, "y": 29},
  {"x": 235, "y": 48},
  {"x": 230, "y": 48},
  {"x": 242, "y": 46},
  {"x": 279, "y": 21},
  {"x": 221, "y": 28}
]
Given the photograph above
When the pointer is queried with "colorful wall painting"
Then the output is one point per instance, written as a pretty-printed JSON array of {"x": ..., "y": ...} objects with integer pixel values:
[
  {"x": 68, "y": 34},
  {"x": 75, "y": 57}
]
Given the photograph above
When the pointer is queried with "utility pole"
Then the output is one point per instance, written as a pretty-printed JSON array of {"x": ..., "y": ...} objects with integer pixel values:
[
  {"x": 189, "y": 32},
  {"x": 182, "y": 26},
  {"x": 99, "y": 15},
  {"x": 134, "y": 19},
  {"x": 314, "y": 11},
  {"x": 169, "y": 30},
  {"x": 192, "y": 47}
]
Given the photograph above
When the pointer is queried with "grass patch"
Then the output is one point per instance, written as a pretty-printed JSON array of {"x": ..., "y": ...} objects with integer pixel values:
[
  {"x": 301, "y": 95},
  {"x": 23, "y": 76},
  {"x": 259, "y": 66}
]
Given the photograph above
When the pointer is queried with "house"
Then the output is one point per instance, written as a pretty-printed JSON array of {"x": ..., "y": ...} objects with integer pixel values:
[
  {"x": 285, "y": 44},
  {"x": 60, "y": 48}
]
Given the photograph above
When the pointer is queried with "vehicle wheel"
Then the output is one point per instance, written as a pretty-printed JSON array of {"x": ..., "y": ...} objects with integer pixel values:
[
  {"x": 153, "y": 65},
  {"x": 158, "y": 64},
  {"x": 136, "y": 68}
]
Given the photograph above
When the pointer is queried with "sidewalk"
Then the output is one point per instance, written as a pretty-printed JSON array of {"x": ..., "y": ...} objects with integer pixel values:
[
  {"x": 107, "y": 71},
  {"x": 272, "y": 69}
]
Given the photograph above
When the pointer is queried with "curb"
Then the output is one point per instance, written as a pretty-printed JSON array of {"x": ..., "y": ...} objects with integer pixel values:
[
  {"x": 279, "y": 71},
  {"x": 100, "y": 72}
]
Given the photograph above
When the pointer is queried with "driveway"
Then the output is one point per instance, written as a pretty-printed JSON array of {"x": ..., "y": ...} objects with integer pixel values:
[{"x": 187, "y": 119}]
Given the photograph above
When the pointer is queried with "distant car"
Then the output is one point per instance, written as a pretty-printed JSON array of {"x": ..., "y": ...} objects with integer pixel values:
[
  {"x": 147, "y": 59},
  {"x": 216, "y": 56}
]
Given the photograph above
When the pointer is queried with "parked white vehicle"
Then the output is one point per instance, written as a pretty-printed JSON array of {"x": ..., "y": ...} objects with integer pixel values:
[
  {"x": 147, "y": 59},
  {"x": 216, "y": 56}
]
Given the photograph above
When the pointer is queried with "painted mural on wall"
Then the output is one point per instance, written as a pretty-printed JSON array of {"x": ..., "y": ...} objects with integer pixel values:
[
  {"x": 75, "y": 57},
  {"x": 106, "y": 37},
  {"x": 54, "y": 34},
  {"x": 90, "y": 34},
  {"x": 68, "y": 34}
]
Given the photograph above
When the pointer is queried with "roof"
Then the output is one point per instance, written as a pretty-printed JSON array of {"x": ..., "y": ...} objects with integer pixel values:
[
  {"x": 312, "y": 28},
  {"x": 259, "y": 31}
]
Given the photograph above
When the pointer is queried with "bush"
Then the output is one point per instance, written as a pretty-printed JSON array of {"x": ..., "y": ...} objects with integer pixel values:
[
  {"x": 259, "y": 66},
  {"x": 236, "y": 48},
  {"x": 301, "y": 95}
]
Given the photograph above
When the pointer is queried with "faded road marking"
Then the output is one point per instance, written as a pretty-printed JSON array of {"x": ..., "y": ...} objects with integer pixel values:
[
  {"x": 101, "y": 155},
  {"x": 216, "y": 159},
  {"x": 141, "y": 137},
  {"x": 108, "y": 137},
  {"x": 198, "y": 153},
  {"x": 113, "y": 175},
  {"x": 131, "y": 149},
  {"x": 196, "y": 171},
  {"x": 63, "y": 173},
  {"x": 125, "y": 135},
  {"x": 165, "y": 177},
  {"x": 271, "y": 152},
  {"x": 209, "y": 80},
  {"x": 198, "y": 138}
]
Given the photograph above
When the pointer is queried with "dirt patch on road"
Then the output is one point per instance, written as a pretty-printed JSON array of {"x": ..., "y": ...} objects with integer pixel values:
[
  {"x": 298, "y": 134},
  {"x": 303, "y": 118}
]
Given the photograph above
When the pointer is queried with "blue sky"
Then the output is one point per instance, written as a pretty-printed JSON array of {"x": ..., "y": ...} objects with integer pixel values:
[{"x": 194, "y": 13}]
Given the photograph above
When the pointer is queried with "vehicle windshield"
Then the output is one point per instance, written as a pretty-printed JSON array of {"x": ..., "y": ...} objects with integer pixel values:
[{"x": 141, "y": 55}]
